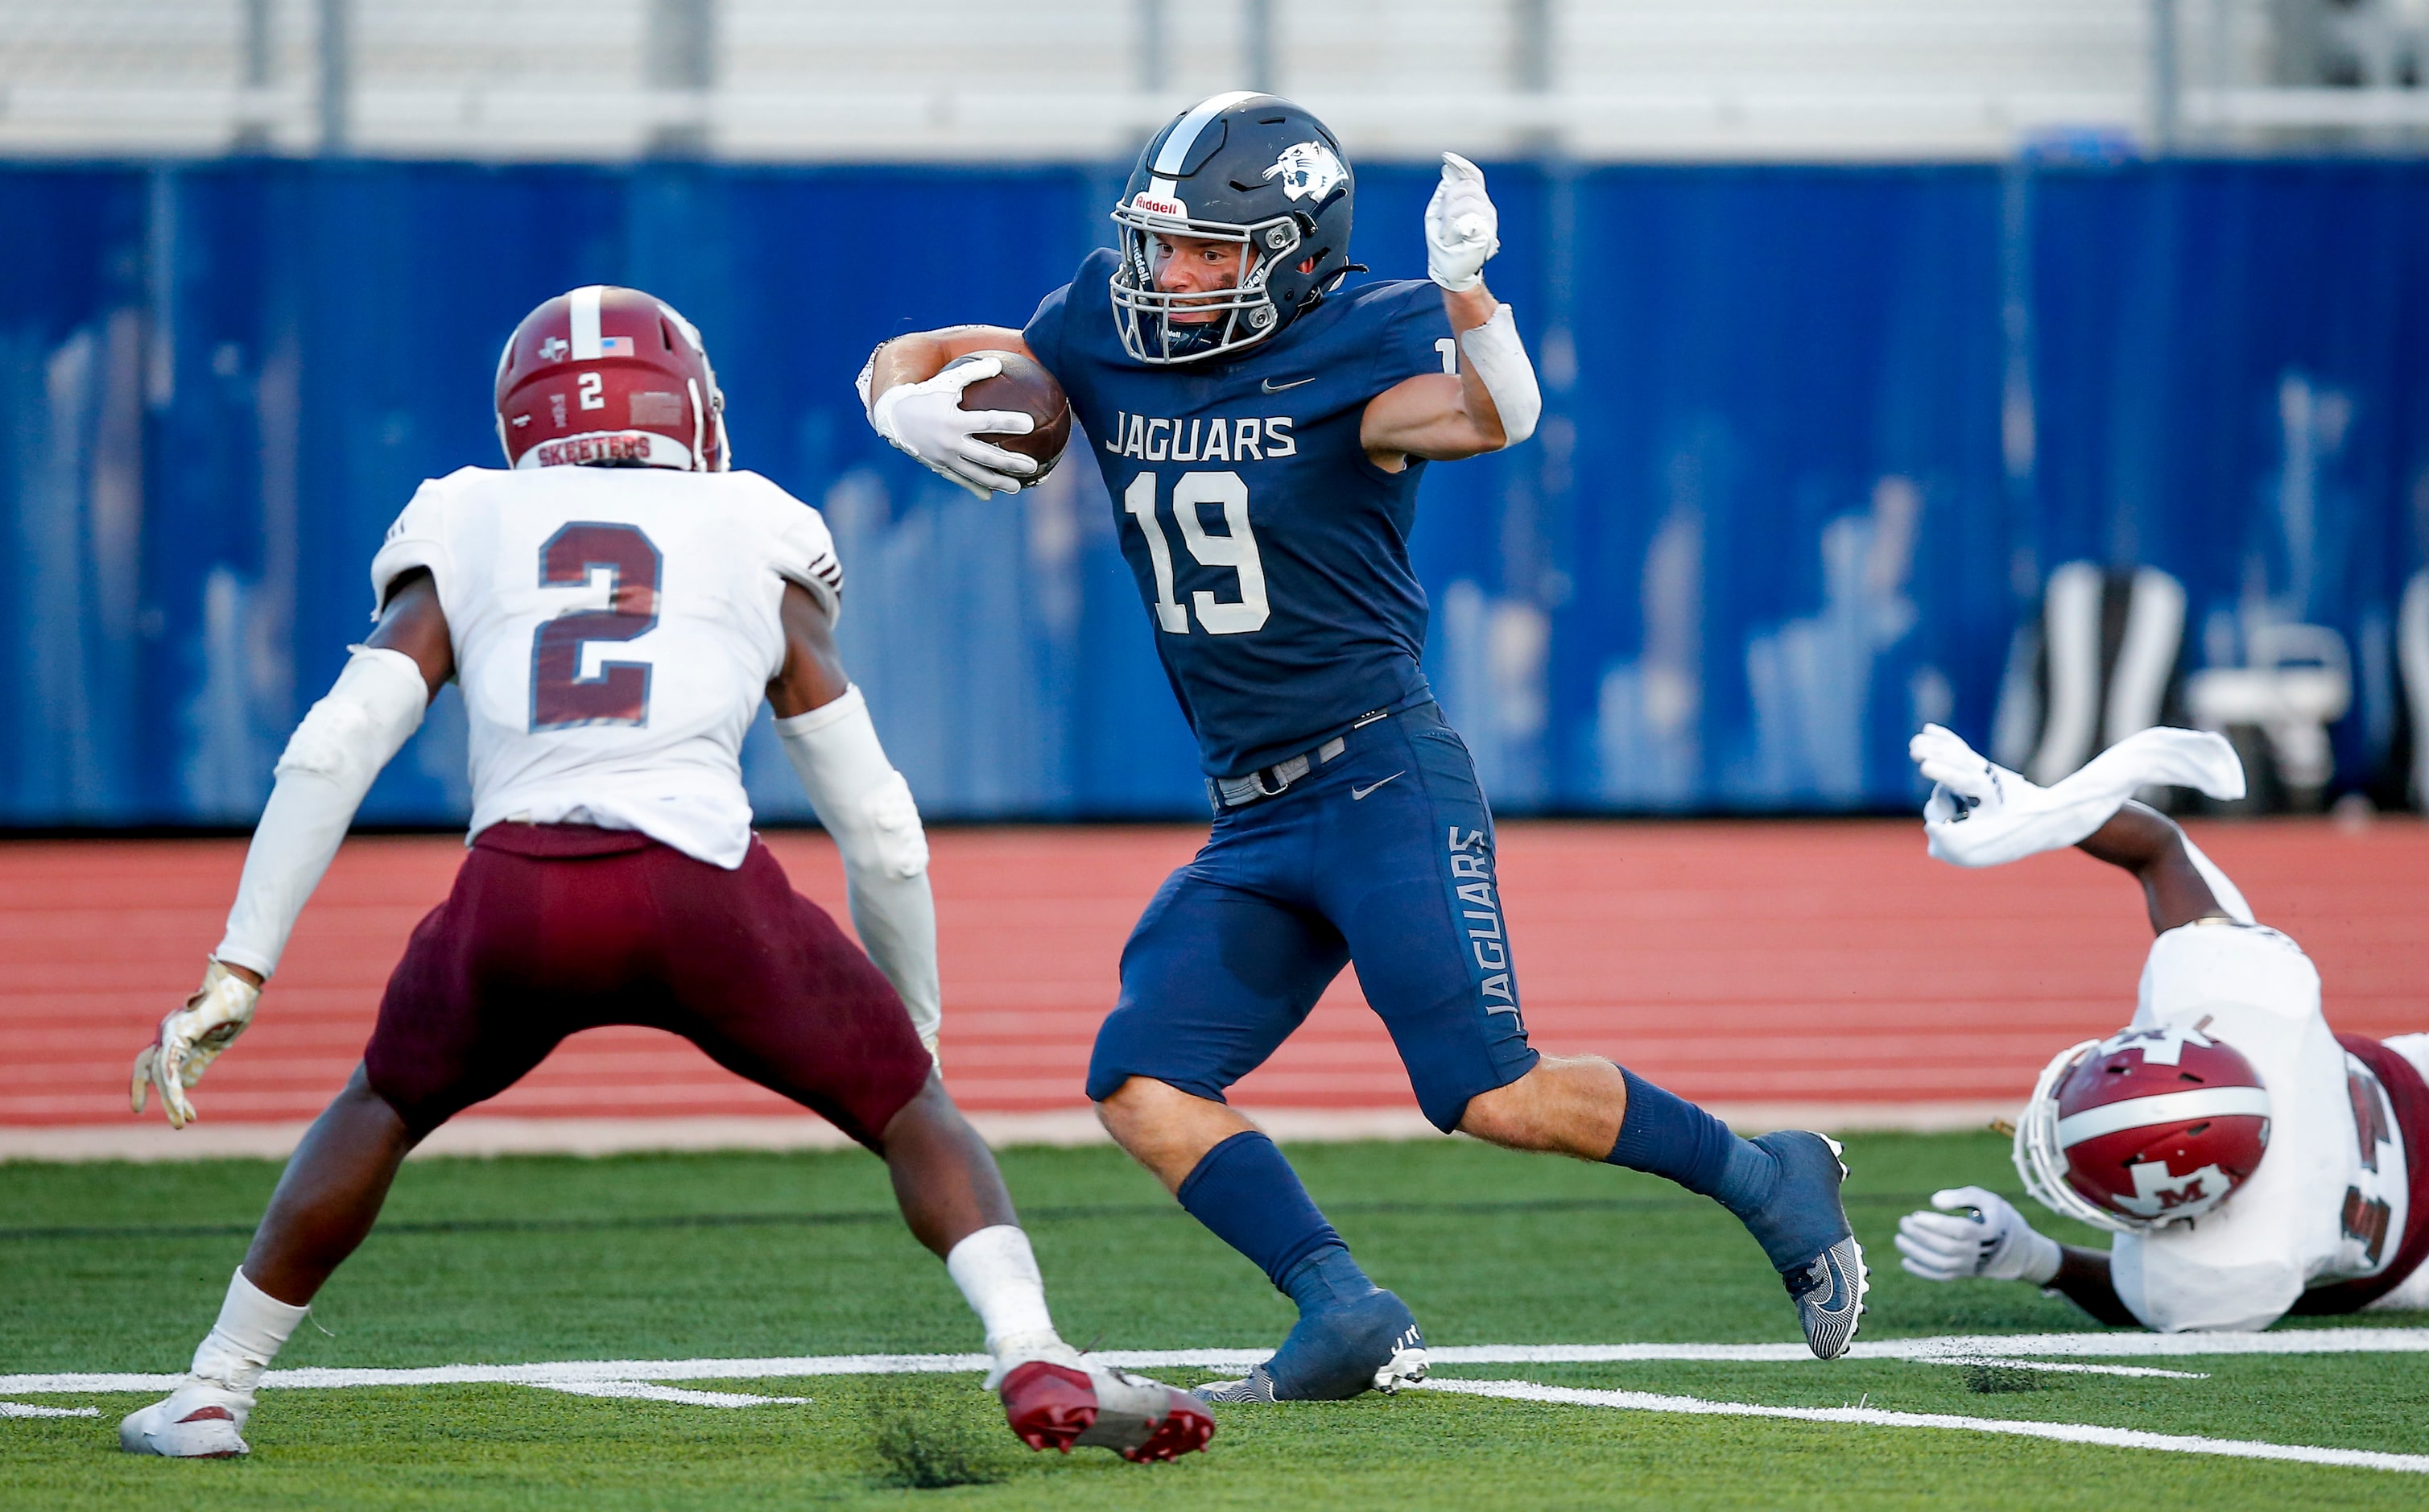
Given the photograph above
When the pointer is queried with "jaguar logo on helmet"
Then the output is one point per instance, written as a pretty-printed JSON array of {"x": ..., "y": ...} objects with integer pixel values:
[
  {"x": 2152, "y": 1126},
  {"x": 1308, "y": 170}
]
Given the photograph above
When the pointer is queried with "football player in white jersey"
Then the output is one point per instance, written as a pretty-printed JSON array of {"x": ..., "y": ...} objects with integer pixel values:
[
  {"x": 2250, "y": 1162},
  {"x": 614, "y": 608}
]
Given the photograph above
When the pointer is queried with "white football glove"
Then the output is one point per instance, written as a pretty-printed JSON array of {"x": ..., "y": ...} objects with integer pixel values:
[
  {"x": 1462, "y": 229},
  {"x": 1994, "y": 1240},
  {"x": 927, "y": 420},
  {"x": 190, "y": 1039},
  {"x": 1965, "y": 780}
]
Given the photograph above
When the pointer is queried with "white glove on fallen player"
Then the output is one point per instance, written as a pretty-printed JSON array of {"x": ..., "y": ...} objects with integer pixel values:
[
  {"x": 1963, "y": 779},
  {"x": 1982, "y": 814},
  {"x": 1992, "y": 1241},
  {"x": 1462, "y": 229},
  {"x": 927, "y": 420},
  {"x": 190, "y": 1039}
]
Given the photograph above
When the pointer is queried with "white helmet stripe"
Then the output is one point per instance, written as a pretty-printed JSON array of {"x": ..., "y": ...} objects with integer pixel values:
[
  {"x": 1185, "y": 135},
  {"x": 2168, "y": 1108},
  {"x": 584, "y": 307}
]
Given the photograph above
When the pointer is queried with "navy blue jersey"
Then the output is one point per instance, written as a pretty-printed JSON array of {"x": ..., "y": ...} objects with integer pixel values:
[{"x": 1273, "y": 556}]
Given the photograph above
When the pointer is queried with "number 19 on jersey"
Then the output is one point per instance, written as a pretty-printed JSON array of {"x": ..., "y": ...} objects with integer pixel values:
[{"x": 1236, "y": 549}]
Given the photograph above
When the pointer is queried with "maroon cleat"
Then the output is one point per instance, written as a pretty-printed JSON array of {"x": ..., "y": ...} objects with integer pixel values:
[{"x": 1055, "y": 1407}]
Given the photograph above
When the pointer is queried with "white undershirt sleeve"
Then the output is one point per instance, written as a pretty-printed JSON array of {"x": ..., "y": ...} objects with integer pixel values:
[
  {"x": 342, "y": 744},
  {"x": 865, "y": 803}
]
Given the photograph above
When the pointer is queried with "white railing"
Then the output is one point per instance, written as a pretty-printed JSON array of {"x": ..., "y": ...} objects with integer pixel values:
[{"x": 1084, "y": 79}]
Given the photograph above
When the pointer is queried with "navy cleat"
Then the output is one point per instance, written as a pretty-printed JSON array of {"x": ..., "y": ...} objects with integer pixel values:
[
  {"x": 1803, "y": 1227},
  {"x": 1370, "y": 1343}
]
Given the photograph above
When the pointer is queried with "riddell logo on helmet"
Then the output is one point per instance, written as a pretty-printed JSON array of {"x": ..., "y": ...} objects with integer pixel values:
[
  {"x": 631, "y": 446},
  {"x": 1149, "y": 203}
]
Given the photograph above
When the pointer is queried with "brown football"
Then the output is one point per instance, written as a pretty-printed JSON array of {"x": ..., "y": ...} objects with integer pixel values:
[{"x": 1025, "y": 387}]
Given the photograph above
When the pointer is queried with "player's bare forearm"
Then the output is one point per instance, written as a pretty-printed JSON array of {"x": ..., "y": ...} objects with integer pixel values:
[
  {"x": 920, "y": 356},
  {"x": 1436, "y": 416},
  {"x": 411, "y": 621},
  {"x": 2148, "y": 843},
  {"x": 813, "y": 675},
  {"x": 2083, "y": 1279}
]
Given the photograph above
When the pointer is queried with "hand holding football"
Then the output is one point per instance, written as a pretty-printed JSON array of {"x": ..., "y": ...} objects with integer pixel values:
[{"x": 1028, "y": 388}]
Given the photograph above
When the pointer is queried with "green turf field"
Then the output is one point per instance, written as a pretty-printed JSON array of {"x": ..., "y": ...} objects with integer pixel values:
[{"x": 121, "y": 1268}]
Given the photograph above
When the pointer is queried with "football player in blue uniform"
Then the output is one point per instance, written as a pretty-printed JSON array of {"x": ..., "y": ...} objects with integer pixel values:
[{"x": 1263, "y": 431}]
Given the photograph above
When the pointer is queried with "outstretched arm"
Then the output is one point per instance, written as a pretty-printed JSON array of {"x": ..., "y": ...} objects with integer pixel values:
[
  {"x": 1978, "y": 1233},
  {"x": 864, "y": 804},
  {"x": 328, "y": 766},
  {"x": 2148, "y": 843}
]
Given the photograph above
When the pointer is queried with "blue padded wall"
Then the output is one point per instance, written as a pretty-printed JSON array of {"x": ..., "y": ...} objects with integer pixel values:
[{"x": 1813, "y": 437}]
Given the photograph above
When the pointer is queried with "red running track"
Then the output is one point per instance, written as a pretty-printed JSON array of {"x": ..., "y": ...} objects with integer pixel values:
[{"x": 1732, "y": 961}]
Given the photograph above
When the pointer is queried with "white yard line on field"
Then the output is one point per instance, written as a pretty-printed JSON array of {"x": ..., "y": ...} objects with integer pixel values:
[
  {"x": 2069, "y": 1370},
  {"x": 2012, "y": 1349},
  {"x": 637, "y": 1379},
  {"x": 2072, "y": 1433},
  {"x": 649, "y": 1391}
]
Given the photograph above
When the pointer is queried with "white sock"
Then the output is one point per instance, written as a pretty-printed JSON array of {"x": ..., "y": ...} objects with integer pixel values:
[
  {"x": 252, "y": 1325},
  {"x": 998, "y": 1274}
]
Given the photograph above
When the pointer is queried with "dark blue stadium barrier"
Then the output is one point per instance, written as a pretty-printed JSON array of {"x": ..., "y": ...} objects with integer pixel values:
[{"x": 1813, "y": 437}]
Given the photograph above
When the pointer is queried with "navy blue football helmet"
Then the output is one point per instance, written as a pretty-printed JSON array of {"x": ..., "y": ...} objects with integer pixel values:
[{"x": 1247, "y": 168}]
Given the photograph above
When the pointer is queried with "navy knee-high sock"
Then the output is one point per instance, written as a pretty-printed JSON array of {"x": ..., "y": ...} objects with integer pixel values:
[
  {"x": 1251, "y": 1198},
  {"x": 1668, "y": 1136}
]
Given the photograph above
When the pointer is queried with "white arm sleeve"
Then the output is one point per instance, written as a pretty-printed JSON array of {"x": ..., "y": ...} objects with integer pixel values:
[
  {"x": 867, "y": 808},
  {"x": 329, "y": 763},
  {"x": 1502, "y": 363}
]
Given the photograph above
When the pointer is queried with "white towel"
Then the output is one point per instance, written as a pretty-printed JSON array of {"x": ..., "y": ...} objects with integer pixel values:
[{"x": 1981, "y": 814}]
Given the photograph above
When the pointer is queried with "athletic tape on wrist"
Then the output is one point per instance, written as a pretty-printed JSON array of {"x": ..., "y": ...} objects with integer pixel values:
[{"x": 1502, "y": 363}]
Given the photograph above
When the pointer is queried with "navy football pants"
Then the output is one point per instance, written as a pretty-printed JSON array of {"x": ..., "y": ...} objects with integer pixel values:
[{"x": 1381, "y": 858}]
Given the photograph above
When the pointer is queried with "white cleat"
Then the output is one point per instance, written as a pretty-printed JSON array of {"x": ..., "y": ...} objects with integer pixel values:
[{"x": 201, "y": 1419}]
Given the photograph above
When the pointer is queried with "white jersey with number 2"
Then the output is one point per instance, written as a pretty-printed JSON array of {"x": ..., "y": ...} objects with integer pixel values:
[
  {"x": 615, "y": 629},
  {"x": 2328, "y": 1200}
]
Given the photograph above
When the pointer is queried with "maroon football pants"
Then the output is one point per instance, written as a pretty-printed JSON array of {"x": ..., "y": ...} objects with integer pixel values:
[{"x": 555, "y": 928}]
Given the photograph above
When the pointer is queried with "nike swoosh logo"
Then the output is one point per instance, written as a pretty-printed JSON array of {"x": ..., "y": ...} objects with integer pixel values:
[
  {"x": 1356, "y": 793},
  {"x": 1271, "y": 387}
]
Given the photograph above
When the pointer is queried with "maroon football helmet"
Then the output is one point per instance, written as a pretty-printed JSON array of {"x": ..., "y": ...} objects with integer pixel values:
[
  {"x": 604, "y": 374},
  {"x": 2147, "y": 1128}
]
